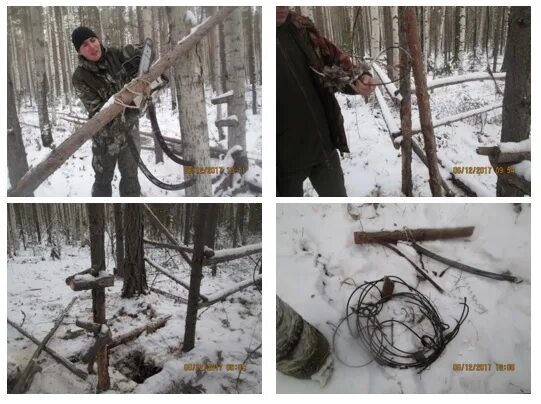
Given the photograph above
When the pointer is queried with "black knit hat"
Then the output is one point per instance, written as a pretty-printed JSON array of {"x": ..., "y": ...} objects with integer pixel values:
[{"x": 81, "y": 34}]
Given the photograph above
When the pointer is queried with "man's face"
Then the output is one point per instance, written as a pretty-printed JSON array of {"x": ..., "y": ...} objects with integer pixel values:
[
  {"x": 91, "y": 49},
  {"x": 281, "y": 14}
]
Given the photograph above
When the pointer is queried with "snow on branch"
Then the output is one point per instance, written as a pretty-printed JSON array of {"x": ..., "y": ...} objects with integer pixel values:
[
  {"x": 227, "y": 292},
  {"x": 230, "y": 254}
]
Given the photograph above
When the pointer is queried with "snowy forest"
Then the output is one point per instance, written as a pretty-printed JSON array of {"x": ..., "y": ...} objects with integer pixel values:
[
  {"x": 403, "y": 298},
  {"x": 453, "y": 90},
  {"x": 174, "y": 303},
  {"x": 207, "y": 102}
]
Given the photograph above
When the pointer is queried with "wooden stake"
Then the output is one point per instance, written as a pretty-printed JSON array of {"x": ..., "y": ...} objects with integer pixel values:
[
  {"x": 423, "y": 100},
  {"x": 362, "y": 237}
]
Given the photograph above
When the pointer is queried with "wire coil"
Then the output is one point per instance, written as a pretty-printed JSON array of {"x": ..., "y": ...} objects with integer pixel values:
[{"x": 369, "y": 319}]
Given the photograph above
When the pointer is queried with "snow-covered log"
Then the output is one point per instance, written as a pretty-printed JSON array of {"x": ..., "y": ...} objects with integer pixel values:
[
  {"x": 208, "y": 252},
  {"x": 133, "y": 334},
  {"x": 25, "y": 379},
  {"x": 232, "y": 254},
  {"x": 55, "y": 355},
  {"x": 392, "y": 127},
  {"x": 387, "y": 84},
  {"x": 447, "y": 81},
  {"x": 227, "y": 292},
  {"x": 453, "y": 118},
  {"x": 34, "y": 177},
  {"x": 222, "y": 98},
  {"x": 169, "y": 295},
  {"x": 496, "y": 154},
  {"x": 362, "y": 237}
]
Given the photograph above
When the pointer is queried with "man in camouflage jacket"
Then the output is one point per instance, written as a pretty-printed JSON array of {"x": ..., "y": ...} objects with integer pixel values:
[
  {"x": 98, "y": 77},
  {"x": 310, "y": 126}
]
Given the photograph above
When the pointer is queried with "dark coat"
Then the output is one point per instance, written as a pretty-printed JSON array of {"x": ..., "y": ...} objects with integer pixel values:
[{"x": 322, "y": 52}]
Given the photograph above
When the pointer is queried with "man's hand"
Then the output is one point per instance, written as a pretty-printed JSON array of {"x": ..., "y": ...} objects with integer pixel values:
[{"x": 365, "y": 85}]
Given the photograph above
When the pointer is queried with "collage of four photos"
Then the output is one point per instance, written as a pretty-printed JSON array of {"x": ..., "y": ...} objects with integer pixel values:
[{"x": 378, "y": 287}]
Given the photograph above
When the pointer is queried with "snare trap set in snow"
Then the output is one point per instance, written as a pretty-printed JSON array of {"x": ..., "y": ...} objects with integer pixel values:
[{"x": 397, "y": 324}]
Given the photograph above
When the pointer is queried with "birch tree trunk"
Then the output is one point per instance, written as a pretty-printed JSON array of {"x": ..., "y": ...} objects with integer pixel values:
[
  {"x": 191, "y": 104},
  {"x": 251, "y": 58},
  {"x": 374, "y": 32},
  {"x": 236, "y": 78},
  {"x": 16, "y": 156},
  {"x": 426, "y": 30},
  {"x": 460, "y": 37},
  {"x": 395, "y": 44}
]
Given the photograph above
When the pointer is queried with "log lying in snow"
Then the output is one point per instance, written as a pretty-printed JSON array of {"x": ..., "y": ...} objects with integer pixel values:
[
  {"x": 498, "y": 156},
  {"x": 88, "y": 326},
  {"x": 169, "y": 295},
  {"x": 35, "y": 176},
  {"x": 133, "y": 334},
  {"x": 362, "y": 237},
  {"x": 209, "y": 252},
  {"x": 387, "y": 84},
  {"x": 55, "y": 355},
  {"x": 25, "y": 379},
  {"x": 232, "y": 254},
  {"x": 70, "y": 278},
  {"x": 447, "y": 81},
  {"x": 221, "y": 295}
]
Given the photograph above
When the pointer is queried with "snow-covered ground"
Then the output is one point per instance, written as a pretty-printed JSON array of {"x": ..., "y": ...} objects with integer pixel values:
[
  {"x": 317, "y": 271},
  {"x": 225, "y": 333},
  {"x": 373, "y": 168},
  {"x": 76, "y": 176}
]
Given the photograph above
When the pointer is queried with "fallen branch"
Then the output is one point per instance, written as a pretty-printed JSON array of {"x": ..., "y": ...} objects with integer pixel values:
[
  {"x": 159, "y": 225},
  {"x": 232, "y": 254},
  {"x": 37, "y": 175},
  {"x": 387, "y": 84},
  {"x": 133, "y": 334},
  {"x": 166, "y": 273},
  {"x": 225, "y": 293},
  {"x": 362, "y": 237},
  {"x": 423, "y": 274},
  {"x": 209, "y": 252},
  {"x": 169, "y": 295},
  {"x": 25, "y": 379},
  {"x": 464, "y": 267},
  {"x": 56, "y": 356},
  {"x": 447, "y": 81},
  {"x": 498, "y": 156}
]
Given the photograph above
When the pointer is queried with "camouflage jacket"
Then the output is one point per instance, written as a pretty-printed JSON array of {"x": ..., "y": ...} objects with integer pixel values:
[
  {"x": 322, "y": 52},
  {"x": 96, "y": 82}
]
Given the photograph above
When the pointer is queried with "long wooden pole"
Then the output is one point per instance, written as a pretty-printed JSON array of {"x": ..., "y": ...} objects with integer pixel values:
[
  {"x": 362, "y": 237},
  {"x": 37, "y": 175},
  {"x": 56, "y": 356},
  {"x": 24, "y": 379},
  {"x": 423, "y": 100}
]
